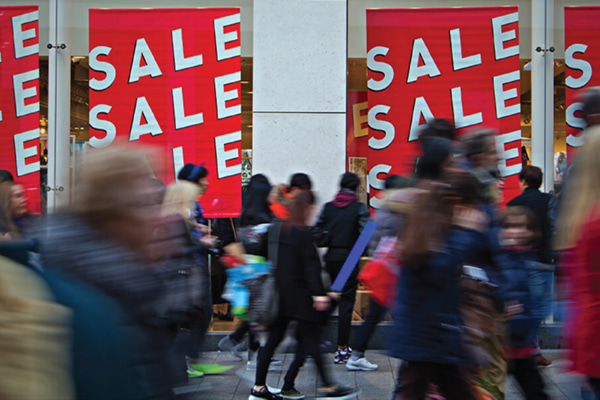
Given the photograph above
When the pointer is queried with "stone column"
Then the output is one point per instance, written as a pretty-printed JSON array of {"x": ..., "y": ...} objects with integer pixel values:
[{"x": 299, "y": 91}]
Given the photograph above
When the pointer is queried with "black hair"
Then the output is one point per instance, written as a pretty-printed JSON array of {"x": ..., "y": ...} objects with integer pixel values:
[
  {"x": 301, "y": 181},
  {"x": 439, "y": 127},
  {"x": 349, "y": 181},
  {"x": 532, "y": 176},
  {"x": 6, "y": 176},
  {"x": 256, "y": 208}
]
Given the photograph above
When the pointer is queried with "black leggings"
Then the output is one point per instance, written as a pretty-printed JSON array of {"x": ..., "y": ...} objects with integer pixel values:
[{"x": 308, "y": 336}]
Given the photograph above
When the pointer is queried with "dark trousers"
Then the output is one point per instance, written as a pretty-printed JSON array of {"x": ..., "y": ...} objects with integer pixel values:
[
  {"x": 595, "y": 384},
  {"x": 375, "y": 314},
  {"x": 242, "y": 329},
  {"x": 528, "y": 377},
  {"x": 345, "y": 304},
  {"x": 308, "y": 336},
  {"x": 414, "y": 378}
]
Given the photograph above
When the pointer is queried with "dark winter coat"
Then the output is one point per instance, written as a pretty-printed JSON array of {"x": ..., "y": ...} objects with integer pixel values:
[
  {"x": 427, "y": 322},
  {"x": 537, "y": 202},
  {"x": 341, "y": 221},
  {"x": 298, "y": 274}
]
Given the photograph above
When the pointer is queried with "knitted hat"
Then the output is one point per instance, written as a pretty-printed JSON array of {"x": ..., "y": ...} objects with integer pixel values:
[{"x": 192, "y": 173}]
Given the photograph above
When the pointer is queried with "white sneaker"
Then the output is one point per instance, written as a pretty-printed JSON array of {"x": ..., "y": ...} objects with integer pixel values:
[{"x": 362, "y": 364}]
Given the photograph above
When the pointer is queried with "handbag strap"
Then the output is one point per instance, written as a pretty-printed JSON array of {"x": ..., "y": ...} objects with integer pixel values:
[{"x": 274, "y": 242}]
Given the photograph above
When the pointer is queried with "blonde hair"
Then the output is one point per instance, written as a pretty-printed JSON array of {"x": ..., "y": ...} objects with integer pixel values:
[
  {"x": 584, "y": 192},
  {"x": 179, "y": 199}
]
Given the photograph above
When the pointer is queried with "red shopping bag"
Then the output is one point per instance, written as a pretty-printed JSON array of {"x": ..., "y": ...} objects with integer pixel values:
[{"x": 380, "y": 274}]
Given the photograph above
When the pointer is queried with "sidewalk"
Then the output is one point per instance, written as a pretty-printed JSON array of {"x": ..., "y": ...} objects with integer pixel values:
[{"x": 378, "y": 385}]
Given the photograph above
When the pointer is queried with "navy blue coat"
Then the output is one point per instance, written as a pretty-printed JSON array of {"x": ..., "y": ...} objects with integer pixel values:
[{"x": 427, "y": 322}]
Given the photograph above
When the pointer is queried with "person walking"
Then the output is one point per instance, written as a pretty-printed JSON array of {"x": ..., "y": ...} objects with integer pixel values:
[
  {"x": 530, "y": 180},
  {"x": 442, "y": 229},
  {"x": 303, "y": 299},
  {"x": 578, "y": 235},
  {"x": 390, "y": 219},
  {"x": 340, "y": 223}
]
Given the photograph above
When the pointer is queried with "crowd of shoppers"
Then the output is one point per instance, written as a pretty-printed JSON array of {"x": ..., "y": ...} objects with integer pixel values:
[{"x": 123, "y": 275}]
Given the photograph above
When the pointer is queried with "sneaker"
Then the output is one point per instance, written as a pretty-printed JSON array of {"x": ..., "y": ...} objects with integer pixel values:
[
  {"x": 263, "y": 394},
  {"x": 291, "y": 394},
  {"x": 210, "y": 369},
  {"x": 342, "y": 355},
  {"x": 362, "y": 364},
  {"x": 192, "y": 373},
  {"x": 339, "y": 393},
  {"x": 229, "y": 345},
  {"x": 252, "y": 365},
  {"x": 541, "y": 361}
]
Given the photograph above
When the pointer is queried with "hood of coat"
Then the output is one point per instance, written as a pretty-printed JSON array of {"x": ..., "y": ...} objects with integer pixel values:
[{"x": 344, "y": 198}]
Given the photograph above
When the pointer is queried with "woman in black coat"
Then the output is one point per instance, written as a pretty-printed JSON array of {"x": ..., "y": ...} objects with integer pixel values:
[{"x": 302, "y": 298}]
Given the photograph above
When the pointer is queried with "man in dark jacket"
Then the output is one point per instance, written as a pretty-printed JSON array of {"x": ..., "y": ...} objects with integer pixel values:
[
  {"x": 340, "y": 223},
  {"x": 530, "y": 180}
]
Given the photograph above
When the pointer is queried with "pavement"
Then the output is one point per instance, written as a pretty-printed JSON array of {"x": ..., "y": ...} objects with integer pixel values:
[{"x": 376, "y": 385}]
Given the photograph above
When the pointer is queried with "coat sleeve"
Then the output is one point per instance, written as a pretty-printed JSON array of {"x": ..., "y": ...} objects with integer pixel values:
[
  {"x": 320, "y": 232},
  {"x": 312, "y": 267},
  {"x": 363, "y": 216}
]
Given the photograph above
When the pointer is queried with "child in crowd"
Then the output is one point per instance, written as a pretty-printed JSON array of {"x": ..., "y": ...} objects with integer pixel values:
[{"x": 517, "y": 234}]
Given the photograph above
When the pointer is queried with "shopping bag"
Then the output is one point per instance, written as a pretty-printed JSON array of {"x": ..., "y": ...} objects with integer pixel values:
[
  {"x": 239, "y": 271},
  {"x": 263, "y": 307},
  {"x": 381, "y": 273}
]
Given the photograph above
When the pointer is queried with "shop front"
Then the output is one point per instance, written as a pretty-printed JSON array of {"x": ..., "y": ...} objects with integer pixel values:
[{"x": 288, "y": 87}]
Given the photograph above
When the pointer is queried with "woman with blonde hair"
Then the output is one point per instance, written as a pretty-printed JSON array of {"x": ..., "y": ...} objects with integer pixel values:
[{"x": 578, "y": 235}]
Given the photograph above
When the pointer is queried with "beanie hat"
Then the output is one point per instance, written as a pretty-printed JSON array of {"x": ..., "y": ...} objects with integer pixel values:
[{"x": 192, "y": 173}]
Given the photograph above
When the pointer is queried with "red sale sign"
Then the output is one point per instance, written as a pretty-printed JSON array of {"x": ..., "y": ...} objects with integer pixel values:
[
  {"x": 20, "y": 98},
  {"x": 461, "y": 64},
  {"x": 582, "y": 54},
  {"x": 170, "y": 78}
]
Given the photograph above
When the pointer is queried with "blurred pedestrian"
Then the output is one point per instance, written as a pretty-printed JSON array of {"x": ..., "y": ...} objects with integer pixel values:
[
  {"x": 390, "y": 220},
  {"x": 518, "y": 238},
  {"x": 282, "y": 195},
  {"x": 443, "y": 228},
  {"x": 302, "y": 298},
  {"x": 179, "y": 203},
  {"x": 530, "y": 180},
  {"x": 14, "y": 216},
  {"x": 578, "y": 235},
  {"x": 105, "y": 240},
  {"x": 340, "y": 223},
  {"x": 255, "y": 219}
]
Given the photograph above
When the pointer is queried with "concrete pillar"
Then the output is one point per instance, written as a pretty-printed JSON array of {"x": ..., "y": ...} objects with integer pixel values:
[
  {"x": 542, "y": 89},
  {"x": 299, "y": 91},
  {"x": 59, "y": 104}
]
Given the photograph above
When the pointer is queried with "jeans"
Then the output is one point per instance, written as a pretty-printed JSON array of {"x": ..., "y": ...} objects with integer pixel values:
[
  {"x": 540, "y": 288},
  {"x": 375, "y": 314}
]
